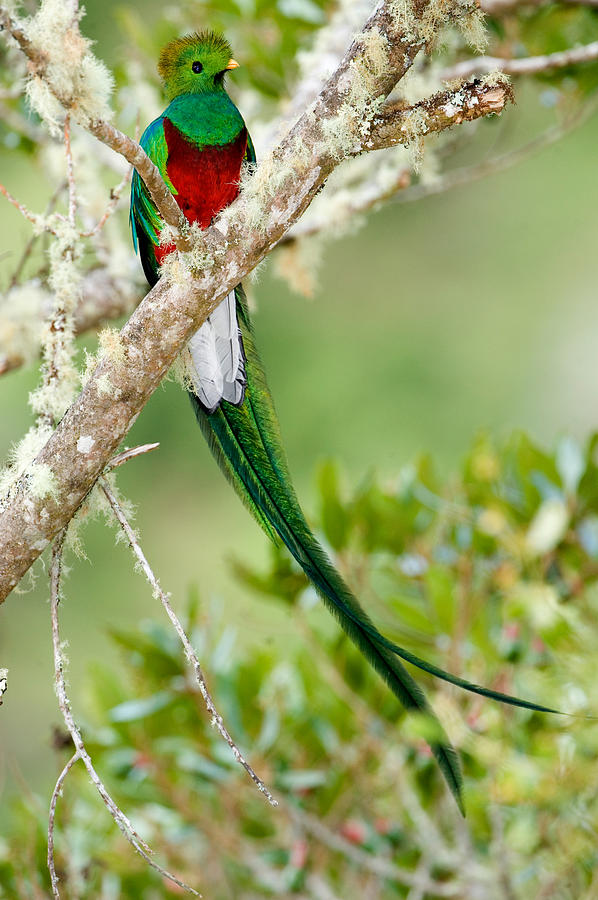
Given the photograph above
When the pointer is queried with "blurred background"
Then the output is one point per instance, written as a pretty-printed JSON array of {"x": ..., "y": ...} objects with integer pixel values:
[{"x": 471, "y": 310}]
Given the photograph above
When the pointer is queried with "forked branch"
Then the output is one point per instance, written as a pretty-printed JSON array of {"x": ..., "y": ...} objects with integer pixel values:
[{"x": 117, "y": 814}]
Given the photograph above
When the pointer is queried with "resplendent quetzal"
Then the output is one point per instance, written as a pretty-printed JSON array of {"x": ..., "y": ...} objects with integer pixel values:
[{"x": 199, "y": 144}]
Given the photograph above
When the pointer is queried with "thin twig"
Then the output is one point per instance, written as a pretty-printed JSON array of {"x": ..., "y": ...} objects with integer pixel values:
[
  {"x": 32, "y": 217},
  {"x": 190, "y": 653},
  {"x": 102, "y": 297},
  {"x": 56, "y": 793},
  {"x": 110, "y": 135},
  {"x": 115, "y": 194},
  {"x": 377, "y": 865},
  {"x": 59, "y": 346},
  {"x": 131, "y": 453},
  {"x": 504, "y": 7},
  {"x": 70, "y": 172},
  {"x": 119, "y": 817},
  {"x": 468, "y": 174},
  {"x": 529, "y": 65},
  {"x": 33, "y": 239}
]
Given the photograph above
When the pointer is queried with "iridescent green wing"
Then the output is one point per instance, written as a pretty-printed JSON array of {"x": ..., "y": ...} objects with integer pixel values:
[
  {"x": 250, "y": 151},
  {"x": 145, "y": 219}
]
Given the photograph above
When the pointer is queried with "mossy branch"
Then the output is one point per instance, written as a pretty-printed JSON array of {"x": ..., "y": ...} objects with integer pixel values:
[
  {"x": 138, "y": 158},
  {"x": 401, "y": 124},
  {"x": 342, "y": 118},
  {"x": 105, "y": 132},
  {"x": 102, "y": 298}
]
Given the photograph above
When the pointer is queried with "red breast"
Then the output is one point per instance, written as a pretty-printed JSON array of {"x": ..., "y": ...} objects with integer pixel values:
[{"x": 206, "y": 179}]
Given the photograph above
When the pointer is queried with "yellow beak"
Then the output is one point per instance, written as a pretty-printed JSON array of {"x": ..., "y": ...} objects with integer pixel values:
[{"x": 232, "y": 64}]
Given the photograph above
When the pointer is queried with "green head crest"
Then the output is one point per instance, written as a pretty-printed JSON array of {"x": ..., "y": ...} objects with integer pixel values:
[{"x": 195, "y": 63}]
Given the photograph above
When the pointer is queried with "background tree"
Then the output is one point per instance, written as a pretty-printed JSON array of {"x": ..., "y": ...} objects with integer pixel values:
[{"x": 85, "y": 276}]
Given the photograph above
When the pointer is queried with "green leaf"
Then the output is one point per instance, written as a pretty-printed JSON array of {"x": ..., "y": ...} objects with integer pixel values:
[{"x": 132, "y": 710}]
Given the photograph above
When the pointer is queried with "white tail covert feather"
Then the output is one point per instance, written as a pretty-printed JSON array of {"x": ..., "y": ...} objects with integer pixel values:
[{"x": 218, "y": 361}]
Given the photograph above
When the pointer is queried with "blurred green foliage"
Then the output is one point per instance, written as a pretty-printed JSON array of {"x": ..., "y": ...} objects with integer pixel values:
[
  {"x": 493, "y": 574},
  {"x": 266, "y": 35},
  {"x": 482, "y": 310}
]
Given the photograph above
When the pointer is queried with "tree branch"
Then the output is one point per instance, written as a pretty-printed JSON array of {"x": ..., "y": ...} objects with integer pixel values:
[
  {"x": 138, "y": 158},
  {"x": 499, "y": 8},
  {"x": 128, "y": 454},
  {"x": 396, "y": 124},
  {"x": 115, "y": 194},
  {"x": 56, "y": 793},
  {"x": 493, "y": 164},
  {"x": 27, "y": 250},
  {"x": 400, "y": 124},
  {"x": 26, "y": 213},
  {"x": 117, "y": 814},
  {"x": 277, "y": 195},
  {"x": 529, "y": 65},
  {"x": 103, "y": 297},
  {"x": 190, "y": 653},
  {"x": 110, "y": 136}
]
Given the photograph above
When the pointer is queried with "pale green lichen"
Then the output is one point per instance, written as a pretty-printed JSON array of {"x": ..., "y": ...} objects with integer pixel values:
[
  {"x": 22, "y": 454},
  {"x": 375, "y": 57},
  {"x": 94, "y": 506},
  {"x": 60, "y": 377},
  {"x": 42, "y": 100},
  {"x": 179, "y": 265},
  {"x": 260, "y": 186},
  {"x": 173, "y": 270},
  {"x": 495, "y": 79},
  {"x": 71, "y": 71},
  {"x": 167, "y": 235},
  {"x": 181, "y": 370},
  {"x": 22, "y": 310},
  {"x": 104, "y": 386},
  {"x": 473, "y": 27},
  {"x": 343, "y": 132},
  {"x": 42, "y": 482},
  {"x": 90, "y": 362},
  {"x": 111, "y": 346},
  {"x": 425, "y": 27},
  {"x": 413, "y": 129},
  {"x": 39, "y": 480},
  {"x": 54, "y": 398}
]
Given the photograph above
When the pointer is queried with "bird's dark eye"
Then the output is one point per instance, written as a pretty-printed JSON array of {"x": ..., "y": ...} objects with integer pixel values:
[{"x": 197, "y": 67}]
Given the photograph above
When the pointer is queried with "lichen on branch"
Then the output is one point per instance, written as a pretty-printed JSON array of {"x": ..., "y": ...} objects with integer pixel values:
[{"x": 338, "y": 123}]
